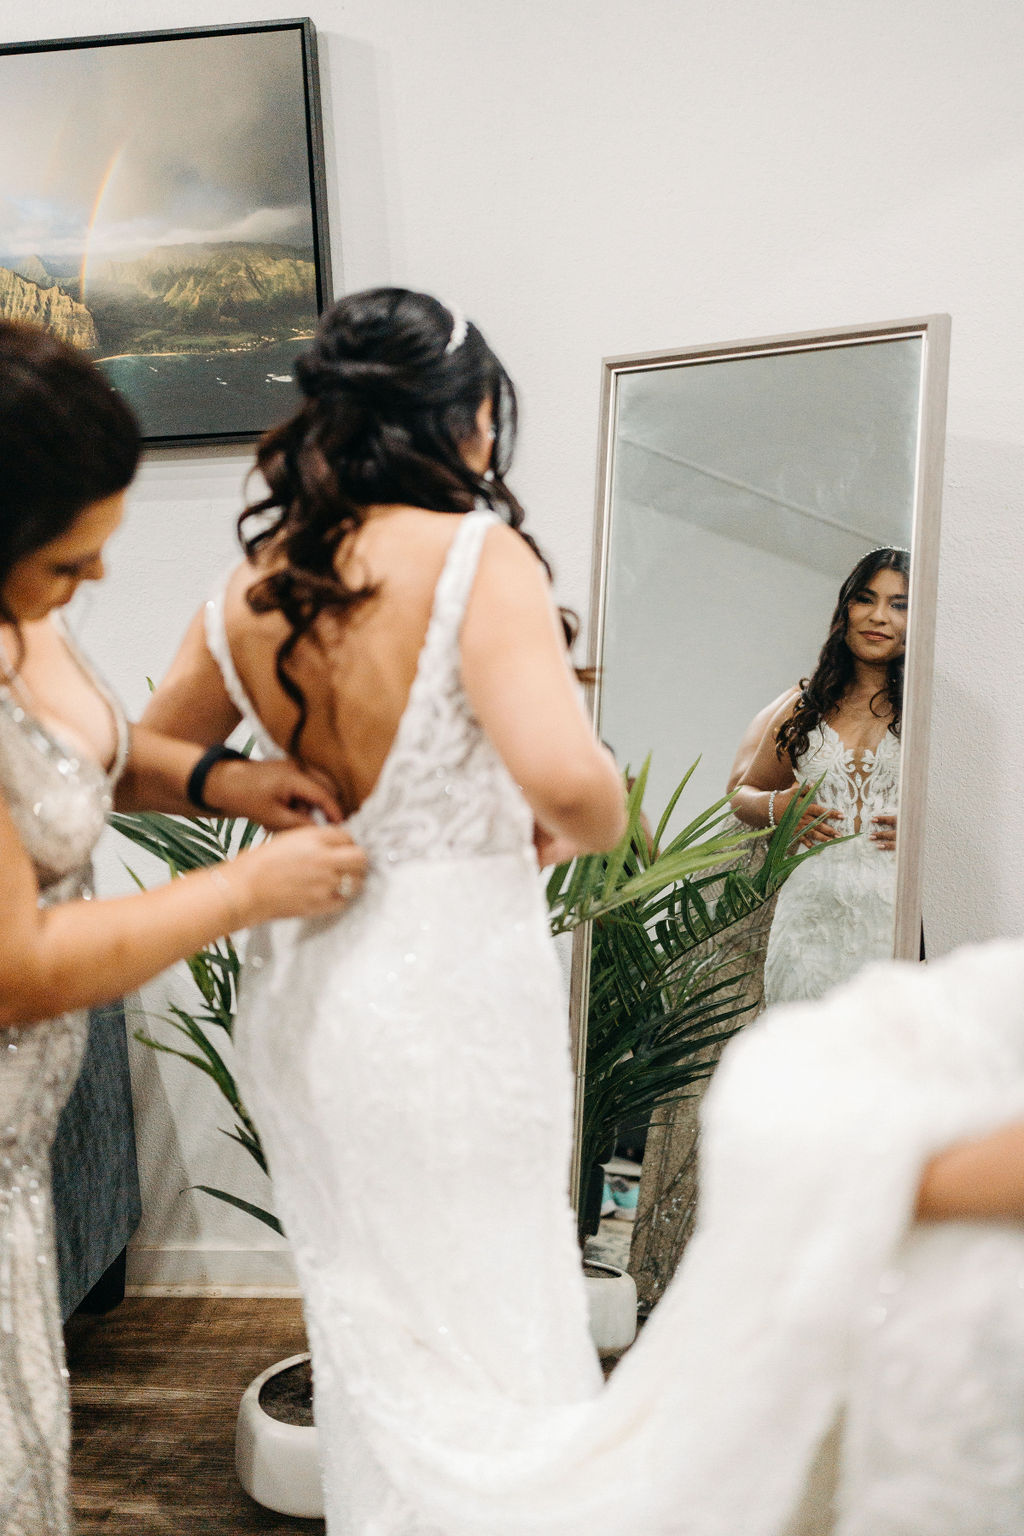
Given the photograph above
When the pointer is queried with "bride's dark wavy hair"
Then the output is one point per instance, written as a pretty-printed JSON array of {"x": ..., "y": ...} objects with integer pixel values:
[
  {"x": 387, "y": 406},
  {"x": 821, "y": 693}
]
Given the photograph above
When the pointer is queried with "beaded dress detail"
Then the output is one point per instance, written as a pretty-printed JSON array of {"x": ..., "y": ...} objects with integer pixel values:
[
  {"x": 58, "y": 801},
  {"x": 835, "y": 912}
]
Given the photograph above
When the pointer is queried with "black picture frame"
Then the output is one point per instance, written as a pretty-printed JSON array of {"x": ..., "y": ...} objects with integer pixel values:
[{"x": 228, "y": 320}]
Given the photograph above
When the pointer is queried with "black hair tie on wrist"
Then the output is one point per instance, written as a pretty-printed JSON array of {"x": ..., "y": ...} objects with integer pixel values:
[{"x": 197, "y": 778}]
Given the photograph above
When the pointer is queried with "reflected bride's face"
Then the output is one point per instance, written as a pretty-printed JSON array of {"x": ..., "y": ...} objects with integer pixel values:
[{"x": 876, "y": 619}]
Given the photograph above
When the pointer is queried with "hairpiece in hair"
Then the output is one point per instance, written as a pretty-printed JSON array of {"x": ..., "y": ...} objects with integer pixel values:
[
  {"x": 460, "y": 329},
  {"x": 887, "y": 549}
]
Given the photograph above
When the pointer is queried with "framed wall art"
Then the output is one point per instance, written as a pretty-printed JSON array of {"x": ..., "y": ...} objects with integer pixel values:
[{"x": 162, "y": 206}]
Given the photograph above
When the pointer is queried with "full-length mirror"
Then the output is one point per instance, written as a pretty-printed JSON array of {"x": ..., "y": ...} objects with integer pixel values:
[{"x": 763, "y": 603}]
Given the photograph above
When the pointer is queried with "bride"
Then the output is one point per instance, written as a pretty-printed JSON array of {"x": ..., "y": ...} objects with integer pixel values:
[
  {"x": 840, "y": 728},
  {"x": 407, "y": 1062}
]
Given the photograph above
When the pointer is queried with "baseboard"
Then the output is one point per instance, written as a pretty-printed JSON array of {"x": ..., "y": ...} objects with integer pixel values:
[{"x": 189, "y": 1271}]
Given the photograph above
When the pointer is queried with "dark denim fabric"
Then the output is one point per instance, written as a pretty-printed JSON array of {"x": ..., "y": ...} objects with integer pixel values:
[{"x": 96, "y": 1199}]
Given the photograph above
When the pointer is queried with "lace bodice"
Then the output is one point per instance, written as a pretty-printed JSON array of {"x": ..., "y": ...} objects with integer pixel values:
[
  {"x": 443, "y": 791},
  {"x": 859, "y": 786},
  {"x": 835, "y": 912}
]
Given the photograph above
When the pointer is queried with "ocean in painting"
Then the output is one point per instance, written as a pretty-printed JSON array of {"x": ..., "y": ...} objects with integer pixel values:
[{"x": 190, "y": 394}]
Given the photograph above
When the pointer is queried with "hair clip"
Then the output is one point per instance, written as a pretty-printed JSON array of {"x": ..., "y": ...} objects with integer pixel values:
[{"x": 460, "y": 329}]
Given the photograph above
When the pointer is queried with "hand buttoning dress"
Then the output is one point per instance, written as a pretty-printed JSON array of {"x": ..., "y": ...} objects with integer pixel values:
[
  {"x": 456, "y": 1388},
  {"x": 58, "y": 800}
]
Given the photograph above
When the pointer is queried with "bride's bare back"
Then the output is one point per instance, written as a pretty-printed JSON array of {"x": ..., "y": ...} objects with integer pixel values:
[
  {"x": 356, "y": 674},
  {"x": 357, "y": 671}
]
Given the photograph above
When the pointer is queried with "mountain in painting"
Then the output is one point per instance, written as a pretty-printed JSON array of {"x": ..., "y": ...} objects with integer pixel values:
[
  {"x": 210, "y": 299},
  {"x": 24, "y": 299},
  {"x": 203, "y": 298},
  {"x": 32, "y": 268}
]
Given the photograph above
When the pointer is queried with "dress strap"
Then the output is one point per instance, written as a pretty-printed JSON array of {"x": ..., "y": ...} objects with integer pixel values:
[
  {"x": 220, "y": 650},
  {"x": 455, "y": 582}
]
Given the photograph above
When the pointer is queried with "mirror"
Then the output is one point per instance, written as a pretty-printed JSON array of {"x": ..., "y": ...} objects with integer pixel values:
[{"x": 741, "y": 488}]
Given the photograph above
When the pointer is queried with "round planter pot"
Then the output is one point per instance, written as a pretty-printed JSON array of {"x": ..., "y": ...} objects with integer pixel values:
[
  {"x": 611, "y": 1303},
  {"x": 277, "y": 1463}
]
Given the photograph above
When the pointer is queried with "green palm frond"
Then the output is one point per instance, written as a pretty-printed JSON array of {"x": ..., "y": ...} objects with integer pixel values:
[
  {"x": 267, "y": 1218},
  {"x": 659, "y": 1005},
  {"x": 184, "y": 843}
]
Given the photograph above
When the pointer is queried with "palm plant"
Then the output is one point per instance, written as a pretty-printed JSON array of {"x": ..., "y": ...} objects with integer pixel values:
[
  {"x": 182, "y": 844},
  {"x": 657, "y": 1008},
  {"x": 664, "y": 992}
]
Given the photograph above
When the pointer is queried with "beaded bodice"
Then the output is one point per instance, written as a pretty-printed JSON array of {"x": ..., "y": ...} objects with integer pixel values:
[
  {"x": 58, "y": 799},
  {"x": 443, "y": 791}
]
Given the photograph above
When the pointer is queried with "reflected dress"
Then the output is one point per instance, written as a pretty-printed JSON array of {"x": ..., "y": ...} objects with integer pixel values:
[
  {"x": 407, "y": 1063},
  {"x": 835, "y": 913},
  {"x": 58, "y": 801}
]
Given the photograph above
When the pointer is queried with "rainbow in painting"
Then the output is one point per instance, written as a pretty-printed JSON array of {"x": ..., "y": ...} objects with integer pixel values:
[{"x": 162, "y": 207}]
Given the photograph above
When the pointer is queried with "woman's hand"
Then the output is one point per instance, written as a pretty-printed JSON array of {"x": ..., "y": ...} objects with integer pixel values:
[
  {"x": 806, "y": 833},
  {"x": 277, "y": 794},
  {"x": 309, "y": 872},
  {"x": 884, "y": 831}
]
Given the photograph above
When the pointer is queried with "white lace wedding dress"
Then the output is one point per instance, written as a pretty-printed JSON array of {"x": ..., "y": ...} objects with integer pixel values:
[
  {"x": 835, "y": 912},
  {"x": 407, "y": 1063}
]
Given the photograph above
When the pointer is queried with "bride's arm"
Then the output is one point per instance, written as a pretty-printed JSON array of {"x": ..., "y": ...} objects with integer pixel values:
[
  {"x": 518, "y": 679},
  {"x": 770, "y": 784},
  {"x": 976, "y": 1180},
  {"x": 752, "y": 738},
  {"x": 766, "y": 774}
]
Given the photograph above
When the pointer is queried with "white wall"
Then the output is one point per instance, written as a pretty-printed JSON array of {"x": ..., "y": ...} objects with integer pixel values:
[
  {"x": 708, "y": 667},
  {"x": 587, "y": 177}
]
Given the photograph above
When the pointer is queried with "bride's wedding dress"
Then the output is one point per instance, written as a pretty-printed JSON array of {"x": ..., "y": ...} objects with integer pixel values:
[
  {"x": 408, "y": 1066},
  {"x": 835, "y": 912}
]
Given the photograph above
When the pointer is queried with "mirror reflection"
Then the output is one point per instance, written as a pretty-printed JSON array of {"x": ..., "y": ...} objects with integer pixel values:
[
  {"x": 760, "y": 510},
  {"x": 835, "y": 734}
]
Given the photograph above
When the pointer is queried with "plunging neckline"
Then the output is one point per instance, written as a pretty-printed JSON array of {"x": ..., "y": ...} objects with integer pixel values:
[
  {"x": 69, "y": 751},
  {"x": 244, "y": 704},
  {"x": 851, "y": 752}
]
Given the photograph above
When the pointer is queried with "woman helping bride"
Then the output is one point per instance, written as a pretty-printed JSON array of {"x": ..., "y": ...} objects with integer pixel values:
[{"x": 392, "y": 627}]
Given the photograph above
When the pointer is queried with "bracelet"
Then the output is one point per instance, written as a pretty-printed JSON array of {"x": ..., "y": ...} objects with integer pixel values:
[
  {"x": 197, "y": 778},
  {"x": 236, "y": 916},
  {"x": 771, "y": 807}
]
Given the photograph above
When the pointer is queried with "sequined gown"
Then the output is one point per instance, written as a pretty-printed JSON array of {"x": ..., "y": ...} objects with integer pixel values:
[
  {"x": 58, "y": 802},
  {"x": 835, "y": 912},
  {"x": 407, "y": 1064}
]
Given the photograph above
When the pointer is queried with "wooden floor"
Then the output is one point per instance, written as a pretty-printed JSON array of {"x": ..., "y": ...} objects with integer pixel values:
[{"x": 155, "y": 1387}]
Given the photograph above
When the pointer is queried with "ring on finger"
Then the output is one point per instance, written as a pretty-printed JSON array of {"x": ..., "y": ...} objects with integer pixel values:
[{"x": 346, "y": 887}]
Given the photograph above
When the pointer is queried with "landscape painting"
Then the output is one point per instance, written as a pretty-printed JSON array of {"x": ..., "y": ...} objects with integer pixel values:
[{"x": 162, "y": 207}]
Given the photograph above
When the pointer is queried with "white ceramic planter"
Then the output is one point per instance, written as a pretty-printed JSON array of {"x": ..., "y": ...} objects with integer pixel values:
[
  {"x": 277, "y": 1463},
  {"x": 611, "y": 1303}
]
